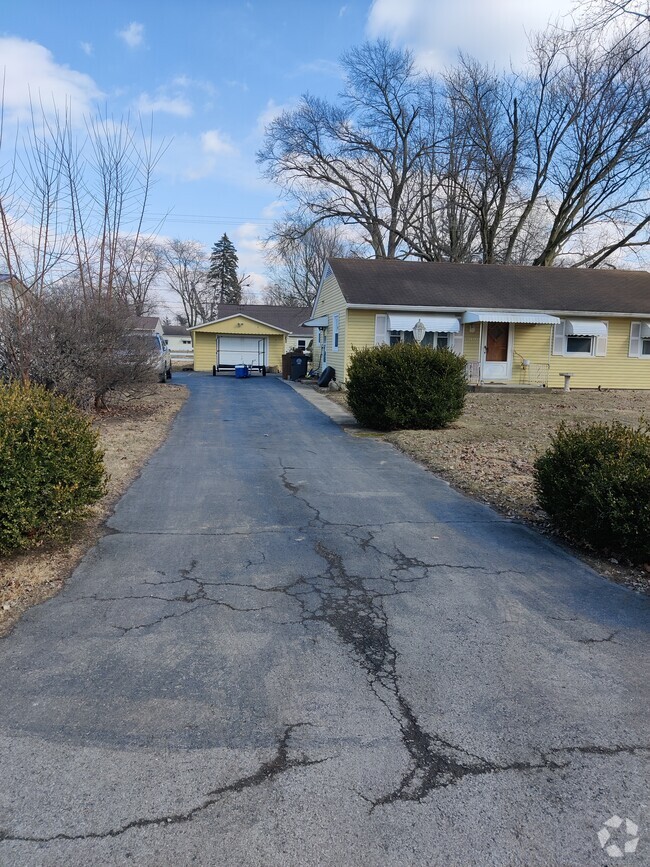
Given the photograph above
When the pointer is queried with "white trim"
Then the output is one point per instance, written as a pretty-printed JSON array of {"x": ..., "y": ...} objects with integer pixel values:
[
  {"x": 639, "y": 332},
  {"x": 327, "y": 272},
  {"x": 336, "y": 325},
  {"x": 316, "y": 322},
  {"x": 236, "y": 316},
  {"x": 510, "y": 353}
]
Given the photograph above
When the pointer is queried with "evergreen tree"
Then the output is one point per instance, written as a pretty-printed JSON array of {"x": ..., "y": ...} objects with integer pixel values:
[{"x": 222, "y": 274}]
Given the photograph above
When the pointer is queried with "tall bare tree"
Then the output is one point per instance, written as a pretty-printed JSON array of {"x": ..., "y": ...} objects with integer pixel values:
[
  {"x": 186, "y": 270},
  {"x": 140, "y": 263},
  {"x": 352, "y": 161}
]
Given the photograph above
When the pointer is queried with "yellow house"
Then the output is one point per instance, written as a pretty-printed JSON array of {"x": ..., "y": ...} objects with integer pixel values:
[
  {"x": 252, "y": 334},
  {"x": 515, "y": 325}
]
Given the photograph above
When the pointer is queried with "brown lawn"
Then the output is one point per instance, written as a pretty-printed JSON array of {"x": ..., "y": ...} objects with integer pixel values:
[{"x": 130, "y": 431}]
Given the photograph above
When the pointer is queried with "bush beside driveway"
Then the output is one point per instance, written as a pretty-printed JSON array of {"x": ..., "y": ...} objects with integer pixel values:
[{"x": 130, "y": 430}]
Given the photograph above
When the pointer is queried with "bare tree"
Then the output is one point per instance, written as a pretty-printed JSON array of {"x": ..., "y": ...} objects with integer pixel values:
[
  {"x": 352, "y": 162},
  {"x": 139, "y": 264},
  {"x": 78, "y": 347},
  {"x": 296, "y": 256},
  {"x": 186, "y": 270}
]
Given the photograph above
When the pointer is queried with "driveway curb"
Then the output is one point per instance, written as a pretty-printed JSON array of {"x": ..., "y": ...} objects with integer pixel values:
[{"x": 336, "y": 413}]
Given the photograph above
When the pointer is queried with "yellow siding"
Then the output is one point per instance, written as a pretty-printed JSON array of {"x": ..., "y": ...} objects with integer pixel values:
[
  {"x": 614, "y": 370},
  {"x": 331, "y": 301},
  {"x": 472, "y": 341},
  {"x": 238, "y": 325},
  {"x": 360, "y": 333},
  {"x": 205, "y": 350}
]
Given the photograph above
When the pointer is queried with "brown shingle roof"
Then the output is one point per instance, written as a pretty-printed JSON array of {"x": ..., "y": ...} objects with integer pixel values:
[
  {"x": 287, "y": 318},
  {"x": 386, "y": 282},
  {"x": 176, "y": 330}
]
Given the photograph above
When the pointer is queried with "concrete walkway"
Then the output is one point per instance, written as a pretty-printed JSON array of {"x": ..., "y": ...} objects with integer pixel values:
[{"x": 297, "y": 647}]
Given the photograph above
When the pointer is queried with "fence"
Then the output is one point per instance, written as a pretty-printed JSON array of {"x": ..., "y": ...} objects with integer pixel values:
[{"x": 530, "y": 374}]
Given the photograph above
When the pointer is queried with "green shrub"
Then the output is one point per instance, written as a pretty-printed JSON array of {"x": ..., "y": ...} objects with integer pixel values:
[
  {"x": 406, "y": 386},
  {"x": 594, "y": 483},
  {"x": 50, "y": 466}
]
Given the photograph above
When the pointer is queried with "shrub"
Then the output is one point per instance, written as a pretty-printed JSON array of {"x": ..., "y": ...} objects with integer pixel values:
[
  {"x": 594, "y": 483},
  {"x": 50, "y": 466},
  {"x": 406, "y": 386}
]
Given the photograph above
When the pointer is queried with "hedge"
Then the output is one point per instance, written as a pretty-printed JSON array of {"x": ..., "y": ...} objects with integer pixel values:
[{"x": 50, "y": 466}]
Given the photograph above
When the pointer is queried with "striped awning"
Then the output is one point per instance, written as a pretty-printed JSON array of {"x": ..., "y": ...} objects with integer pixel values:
[
  {"x": 506, "y": 316},
  {"x": 407, "y": 322},
  {"x": 585, "y": 328}
]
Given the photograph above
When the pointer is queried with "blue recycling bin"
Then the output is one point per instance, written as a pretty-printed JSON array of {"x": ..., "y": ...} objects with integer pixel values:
[{"x": 241, "y": 371}]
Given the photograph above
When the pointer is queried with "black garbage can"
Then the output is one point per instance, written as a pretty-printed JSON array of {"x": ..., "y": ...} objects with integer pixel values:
[{"x": 298, "y": 367}]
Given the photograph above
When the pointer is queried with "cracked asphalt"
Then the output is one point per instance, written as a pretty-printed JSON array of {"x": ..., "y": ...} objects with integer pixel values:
[{"x": 297, "y": 647}]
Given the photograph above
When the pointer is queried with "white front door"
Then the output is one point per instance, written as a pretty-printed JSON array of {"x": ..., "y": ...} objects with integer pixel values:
[{"x": 497, "y": 351}]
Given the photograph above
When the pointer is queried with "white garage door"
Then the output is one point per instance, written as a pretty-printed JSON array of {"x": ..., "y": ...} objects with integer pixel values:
[{"x": 241, "y": 350}]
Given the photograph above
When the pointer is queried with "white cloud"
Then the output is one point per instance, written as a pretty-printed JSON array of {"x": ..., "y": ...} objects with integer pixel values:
[
  {"x": 214, "y": 142},
  {"x": 132, "y": 35},
  {"x": 435, "y": 30},
  {"x": 175, "y": 105},
  {"x": 86, "y": 47},
  {"x": 32, "y": 75},
  {"x": 250, "y": 250},
  {"x": 342, "y": 11}
]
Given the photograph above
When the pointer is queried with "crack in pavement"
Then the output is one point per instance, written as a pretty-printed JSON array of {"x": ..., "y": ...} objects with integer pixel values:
[
  {"x": 279, "y": 764},
  {"x": 356, "y": 612}
]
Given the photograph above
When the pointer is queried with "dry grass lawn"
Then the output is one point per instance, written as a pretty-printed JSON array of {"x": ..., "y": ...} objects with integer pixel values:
[
  {"x": 489, "y": 452},
  {"x": 130, "y": 431}
]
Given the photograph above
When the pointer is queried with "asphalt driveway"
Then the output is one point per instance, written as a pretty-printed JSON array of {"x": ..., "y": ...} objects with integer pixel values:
[{"x": 297, "y": 647}]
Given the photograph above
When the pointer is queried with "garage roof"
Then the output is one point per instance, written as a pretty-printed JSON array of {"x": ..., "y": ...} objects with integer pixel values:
[{"x": 287, "y": 319}]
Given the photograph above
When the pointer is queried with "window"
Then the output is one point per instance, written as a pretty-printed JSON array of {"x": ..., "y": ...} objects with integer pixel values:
[
  {"x": 166, "y": 342},
  {"x": 639, "y": 340},
  {"x": 335, "y": 332},
  {"x": 583, "y": 345},
  {"x": 438, "y": 339},
  {"x": 580, "y": 338},
  {"x": 186, "y": 341},
  {"x": 302, "y": 344}
]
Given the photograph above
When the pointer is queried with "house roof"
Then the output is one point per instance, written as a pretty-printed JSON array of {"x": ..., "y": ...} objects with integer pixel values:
[
  {"x": 287, "y": 319},
  {"x": 145, "y": 323},
  {"x": 176, "y": 330},
  {"x": 451, "y": 285}
]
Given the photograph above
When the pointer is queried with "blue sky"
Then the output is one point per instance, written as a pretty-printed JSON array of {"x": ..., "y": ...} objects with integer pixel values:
[{"x": 210, "y": 74}]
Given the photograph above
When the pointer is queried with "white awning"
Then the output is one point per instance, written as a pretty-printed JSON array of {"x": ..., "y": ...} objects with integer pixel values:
[
  {"x": 645, "y": 330},
  {"x": 406, "y": 322},
  {"x": 585, "y": 328},
  {"x": 318, "y": 322},
  {"x": 505, "y": 316}
]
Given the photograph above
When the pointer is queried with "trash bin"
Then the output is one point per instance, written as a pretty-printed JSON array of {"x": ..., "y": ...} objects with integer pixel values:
[
  {"x": 241, "y": 371},
  {"x": 298, "y": 367},
  {"x": 286, "y": 365}
]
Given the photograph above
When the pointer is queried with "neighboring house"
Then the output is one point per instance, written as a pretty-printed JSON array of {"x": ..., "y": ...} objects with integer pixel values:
[
  {"x": 179, "y": 341},
  {"x": 147, "y": 324},
  {"x": 514, "y": 324},
  {"x": 249, "y": 333}
]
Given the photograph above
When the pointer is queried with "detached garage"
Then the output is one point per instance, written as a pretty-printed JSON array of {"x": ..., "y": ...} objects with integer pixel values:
[{"x": 238, "y": 338}]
